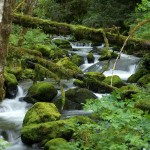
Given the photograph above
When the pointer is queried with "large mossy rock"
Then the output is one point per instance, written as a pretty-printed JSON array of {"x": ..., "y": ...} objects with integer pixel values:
[
  {"x": 44, "y": 132},
  {"x": 135, "y": 77},
  {"x": 75, "y": 98},
  {"x": 62, "y": 43},
  {"x": 116, "y": 81},
  {"x": 128, "y": 90},
  {"x": 42, "y": 91},
  {"x": 41, "y": 112},
  {"x": 143, "y": 104},
  {"x": 11, "y": 85},
  {"x": 68, "y": 64},
  {"x": 143, "y": 81},
  {"x": 78, "y": 60},
  {"x": 58, "y": 144}
]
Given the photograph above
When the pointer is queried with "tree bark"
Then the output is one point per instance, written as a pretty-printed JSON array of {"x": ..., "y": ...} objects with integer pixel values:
[{"x": 5, "y": 28}]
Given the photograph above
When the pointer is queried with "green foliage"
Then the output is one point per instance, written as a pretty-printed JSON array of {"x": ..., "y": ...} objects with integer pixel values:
[
  {"x": 142, "y": 12},
  {"x": 32, "y": 37},
  {"x": 120, "y": 126}
]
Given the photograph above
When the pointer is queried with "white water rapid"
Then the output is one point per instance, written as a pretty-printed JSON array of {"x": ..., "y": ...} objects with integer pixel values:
[{"x": 12, "y": 111}]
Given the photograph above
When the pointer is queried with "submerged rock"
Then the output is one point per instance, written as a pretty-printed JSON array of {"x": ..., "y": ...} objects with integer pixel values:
[{"x": 42, "y": 91}]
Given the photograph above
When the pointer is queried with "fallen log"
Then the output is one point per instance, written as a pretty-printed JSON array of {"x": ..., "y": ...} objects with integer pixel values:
[{"x": 134, "y": 45}]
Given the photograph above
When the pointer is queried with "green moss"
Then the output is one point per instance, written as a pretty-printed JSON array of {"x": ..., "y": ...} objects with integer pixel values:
[
  {"x": 105, "y": 54},
  {"x": 44, "y": 49},
  {"x": 41, "y": 112},
  {"x": 44, "y": 132},
  {"x": 90, "y": 58},
  {"x": 58, "y": 144},
  {"x": 42, "y": 91},
  {"x": 143, "y": 104},
  {"x": 10, "y": 79},
  {"x": 66, "y": 63},
  {"x": 135, "y": 77},
  {"x": 78, "y": 82},
  {"x": 143, "y": 81},
  {"x": 95, "y": 75},
  {"x": 78, "y": 60},
  {"x": 62, "y": 43},
  {"x": 128, "y": 90},
  {"x": 28, "y": 74},
  {"x": 117, "y": 82}
]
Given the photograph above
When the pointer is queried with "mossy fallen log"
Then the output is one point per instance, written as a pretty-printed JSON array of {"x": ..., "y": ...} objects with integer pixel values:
[{"x": 81, "y": 32}]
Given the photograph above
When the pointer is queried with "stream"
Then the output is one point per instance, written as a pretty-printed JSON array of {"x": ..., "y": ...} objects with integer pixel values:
[{"x": 12, "y": 111}]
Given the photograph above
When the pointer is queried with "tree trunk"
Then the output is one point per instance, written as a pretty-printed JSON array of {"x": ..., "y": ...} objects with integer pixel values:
[{"x": 5, "y": 28}]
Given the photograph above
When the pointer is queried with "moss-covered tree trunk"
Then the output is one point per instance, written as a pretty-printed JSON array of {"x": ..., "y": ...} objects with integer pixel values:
[
  {"x": 81, "y": 32},
  {"x": 5, "y": 28}
]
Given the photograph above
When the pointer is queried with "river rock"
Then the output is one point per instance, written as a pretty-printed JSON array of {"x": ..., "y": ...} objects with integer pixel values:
[
  {"x": 11, "y": 85},
  {"x": 143, "y": 81},
  {"x": 68, "y": 64},
  {"x": 75, "y": 98},
  {"x": 116, "y": 81},
  {"x": 42, "y": 91},
  {"x": 90, "y": 58},
  {"x": 78, "y": 60},
  {"x": 44, "y": 132},
  {"x": 41, "y": 112},
  {"x": 135, "y": 77},
  {"x": 58, "y": 144},
  {"x": 128, "y": 90}
]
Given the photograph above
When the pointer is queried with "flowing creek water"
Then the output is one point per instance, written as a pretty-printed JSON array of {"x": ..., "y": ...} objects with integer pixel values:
[{"x": 12, "y": 111}]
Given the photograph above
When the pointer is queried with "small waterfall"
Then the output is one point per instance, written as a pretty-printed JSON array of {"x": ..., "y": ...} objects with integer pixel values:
[{"x": 12, "y": 112}]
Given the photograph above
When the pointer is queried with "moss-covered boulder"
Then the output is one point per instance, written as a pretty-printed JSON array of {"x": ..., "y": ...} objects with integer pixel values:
[
  {"x": 27, "y": 74},
  {"x": 128, "y": 90},
  {"x": 143, "y": 81},
  {"x": 135, "y": 77},
  {"x": 90, "y": 58},
  {"x": 105, "y": 54},
  {"x": 143, "y": 104},
  {"x": 42, "y": 91},
  {"x": 41, "y": 112},
  {"x": 44, "y": 132},
  {"x": 96, "y": 75},
  {"x": 58, "y": 144},
  {"x": 78, "y": 60},
  {"x": 10, "y": 85},
  {"x": 75, "y": 98},
  {"x": 62, "y": 43},
  {"x": 68, "y": 64},
  {"x": 116, "y": 81}
]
